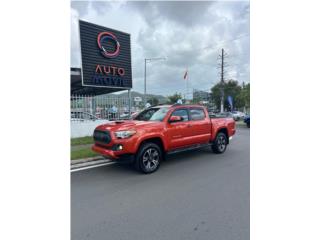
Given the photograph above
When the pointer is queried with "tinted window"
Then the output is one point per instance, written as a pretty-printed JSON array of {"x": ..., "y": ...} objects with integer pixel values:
[
  {"x": 182, "y": 113},
  {"x": 197, "y": 114},
  {"x": 152, "y": 114}
]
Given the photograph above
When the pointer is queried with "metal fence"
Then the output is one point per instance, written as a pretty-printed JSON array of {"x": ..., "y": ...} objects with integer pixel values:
[{"x": 105, "y": 107}]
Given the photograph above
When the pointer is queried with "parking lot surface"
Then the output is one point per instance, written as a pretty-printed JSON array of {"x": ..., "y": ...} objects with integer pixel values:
[{"x": 193, "y": 195}]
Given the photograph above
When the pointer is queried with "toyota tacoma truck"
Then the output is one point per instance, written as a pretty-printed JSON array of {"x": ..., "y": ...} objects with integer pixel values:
[{"x": 161, "y": 130}]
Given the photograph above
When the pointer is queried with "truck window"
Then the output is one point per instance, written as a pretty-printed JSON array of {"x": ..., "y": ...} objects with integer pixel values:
[
  {"x": 197, "y": 114},
  {"x": 152, "y": 114},
  {"x": 182, "y": 113}
]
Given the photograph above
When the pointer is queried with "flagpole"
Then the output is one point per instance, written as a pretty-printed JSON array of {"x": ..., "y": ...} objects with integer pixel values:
[
  {"x": 186, "y": 77},
  {"x": 187, "y": 85}
]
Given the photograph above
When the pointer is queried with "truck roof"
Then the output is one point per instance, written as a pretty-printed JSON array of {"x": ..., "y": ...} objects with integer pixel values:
[{"x": 177, "y": 105}]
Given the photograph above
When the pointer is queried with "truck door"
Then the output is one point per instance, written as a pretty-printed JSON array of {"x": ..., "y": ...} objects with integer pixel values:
[
  {"x": 178, "y": 132},
  {"x": 200, "y": 125}
]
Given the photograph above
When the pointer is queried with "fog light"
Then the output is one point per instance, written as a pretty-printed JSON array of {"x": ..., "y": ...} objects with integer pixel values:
[{"x": 120, "y": 147}]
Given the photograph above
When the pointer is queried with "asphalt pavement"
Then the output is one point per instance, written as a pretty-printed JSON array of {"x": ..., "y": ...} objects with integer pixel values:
[{"x": 193, "y": 195}]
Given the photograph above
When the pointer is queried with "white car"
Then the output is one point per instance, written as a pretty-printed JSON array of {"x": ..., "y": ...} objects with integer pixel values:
[
  {"x": 83, "y": 116},
  {"x": 237, "y": 115}
]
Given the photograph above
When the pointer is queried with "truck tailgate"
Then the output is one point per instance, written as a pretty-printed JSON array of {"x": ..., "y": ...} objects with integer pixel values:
[{"x": 218, "y": 123}]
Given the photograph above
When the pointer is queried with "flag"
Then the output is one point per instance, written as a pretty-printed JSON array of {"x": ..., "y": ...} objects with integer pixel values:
[
  {"x": 185, "y": 75},
  {"x": 230, "y": 100}
]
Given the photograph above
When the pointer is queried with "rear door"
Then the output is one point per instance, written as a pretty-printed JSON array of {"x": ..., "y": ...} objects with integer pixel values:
[
  {"x": 178, "y": 132},
  {"x": 200, "y": 126}
]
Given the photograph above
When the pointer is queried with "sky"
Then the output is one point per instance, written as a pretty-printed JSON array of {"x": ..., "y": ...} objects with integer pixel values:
[{"x": 189, "y": 34}]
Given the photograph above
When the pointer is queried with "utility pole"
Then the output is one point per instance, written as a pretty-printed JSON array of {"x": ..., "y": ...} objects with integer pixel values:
[
  {"x": 222, "y": 81},
  {"x": 222, "y": 71}
]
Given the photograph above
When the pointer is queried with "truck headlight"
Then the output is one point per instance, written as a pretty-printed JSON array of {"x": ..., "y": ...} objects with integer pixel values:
[{"x": 124, "y": 134}]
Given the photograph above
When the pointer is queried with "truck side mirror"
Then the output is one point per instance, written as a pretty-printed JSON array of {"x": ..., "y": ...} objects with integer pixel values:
[{"x": 175, "y": 119}]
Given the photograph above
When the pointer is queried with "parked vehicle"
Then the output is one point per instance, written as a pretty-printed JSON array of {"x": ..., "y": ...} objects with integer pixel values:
[
  {"x": 221, "y": 115},
  {"x": 162, "y": 130},
  {"x": 237, "y": 115},
  {"x": 83, "y": 116},
  {"x": 213, "y": 110},
  {"x": 246, "y": 120}
]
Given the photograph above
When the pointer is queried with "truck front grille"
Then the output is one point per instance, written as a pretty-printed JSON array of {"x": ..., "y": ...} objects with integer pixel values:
[{"x": 102, "y": 136}]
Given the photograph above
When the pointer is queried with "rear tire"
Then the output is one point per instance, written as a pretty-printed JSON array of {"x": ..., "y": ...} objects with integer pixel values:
[
  {"x": 220, "y": 143},
  {"x": 148, "y": 158}
]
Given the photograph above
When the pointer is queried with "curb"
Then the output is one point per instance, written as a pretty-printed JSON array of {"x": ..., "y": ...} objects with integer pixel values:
[
  {"x": 86, "y": 162},
  {"x": 83, "y": 160}
]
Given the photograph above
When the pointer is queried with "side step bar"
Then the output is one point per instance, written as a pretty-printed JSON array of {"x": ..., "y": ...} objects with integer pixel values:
[{"x": 193, "y": 147}]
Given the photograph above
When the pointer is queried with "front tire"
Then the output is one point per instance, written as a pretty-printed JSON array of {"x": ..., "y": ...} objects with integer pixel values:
[
  {"x": 148, "y": 158},
  {"x": 220, "y": 143}
]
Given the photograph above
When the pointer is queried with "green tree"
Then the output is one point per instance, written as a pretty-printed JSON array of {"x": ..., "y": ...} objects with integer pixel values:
[
  {"x": 153, "y": 101},
  {"x": 196, "y": 100},
  {"x": 233, "y": 89},
  {"x": 244, "y": 96},
  {"x": 174, "y": 98}
]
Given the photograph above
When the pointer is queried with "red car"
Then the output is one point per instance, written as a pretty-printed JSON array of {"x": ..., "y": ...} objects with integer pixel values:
[{"x": 162, "y": 130}]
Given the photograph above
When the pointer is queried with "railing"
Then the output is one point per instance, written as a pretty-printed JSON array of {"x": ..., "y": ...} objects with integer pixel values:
[{"x": 95, "y": 108}]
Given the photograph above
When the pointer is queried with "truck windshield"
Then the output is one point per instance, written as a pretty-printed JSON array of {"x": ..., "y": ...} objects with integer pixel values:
[{"x": 152, "y": 114}]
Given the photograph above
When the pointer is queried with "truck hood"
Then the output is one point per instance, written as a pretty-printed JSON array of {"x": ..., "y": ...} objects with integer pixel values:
[{"x": 127, "y": 124}]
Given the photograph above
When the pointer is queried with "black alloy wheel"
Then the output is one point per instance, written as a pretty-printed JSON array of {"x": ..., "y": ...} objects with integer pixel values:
[
  {"x": 148, "y": 158},
  {"x": 220, "y": 143}
]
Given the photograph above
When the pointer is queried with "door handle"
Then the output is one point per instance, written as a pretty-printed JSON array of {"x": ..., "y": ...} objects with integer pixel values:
[{"x": 189, "y": 125}]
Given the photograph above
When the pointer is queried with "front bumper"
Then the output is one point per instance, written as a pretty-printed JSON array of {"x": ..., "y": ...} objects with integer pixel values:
[
  {"x": 105, "y": 152},
  {"x": 118, "y": 156}
]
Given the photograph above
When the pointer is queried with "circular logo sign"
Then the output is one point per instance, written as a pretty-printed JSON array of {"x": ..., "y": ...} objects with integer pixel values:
[{"x": 108, "y": 36}]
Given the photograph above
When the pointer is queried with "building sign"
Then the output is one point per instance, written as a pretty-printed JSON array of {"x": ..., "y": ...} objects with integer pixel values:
[{"x": 105, "y": 56}]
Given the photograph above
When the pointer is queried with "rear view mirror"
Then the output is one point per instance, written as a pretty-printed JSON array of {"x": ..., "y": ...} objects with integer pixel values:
[{"x": 175, "y": 119}]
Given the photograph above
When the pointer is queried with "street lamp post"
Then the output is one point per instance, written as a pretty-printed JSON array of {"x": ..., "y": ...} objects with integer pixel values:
[
  {"x": 145, "y": 75},
  {"x": 145, "y": 82}
]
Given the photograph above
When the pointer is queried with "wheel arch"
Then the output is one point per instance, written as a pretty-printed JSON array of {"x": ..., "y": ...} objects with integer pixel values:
[
  {"x": 225, "y": 131},
  {"x": 156, "y": 140}
]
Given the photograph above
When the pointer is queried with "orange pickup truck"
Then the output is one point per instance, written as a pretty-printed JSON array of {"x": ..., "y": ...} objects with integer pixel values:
[{"x": 160, "y": 130}]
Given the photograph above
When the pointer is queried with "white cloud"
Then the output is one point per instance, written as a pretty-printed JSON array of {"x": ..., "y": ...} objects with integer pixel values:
[
  {"x": 189, "y": 34},
  {"x": 75, "y": 42}
]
